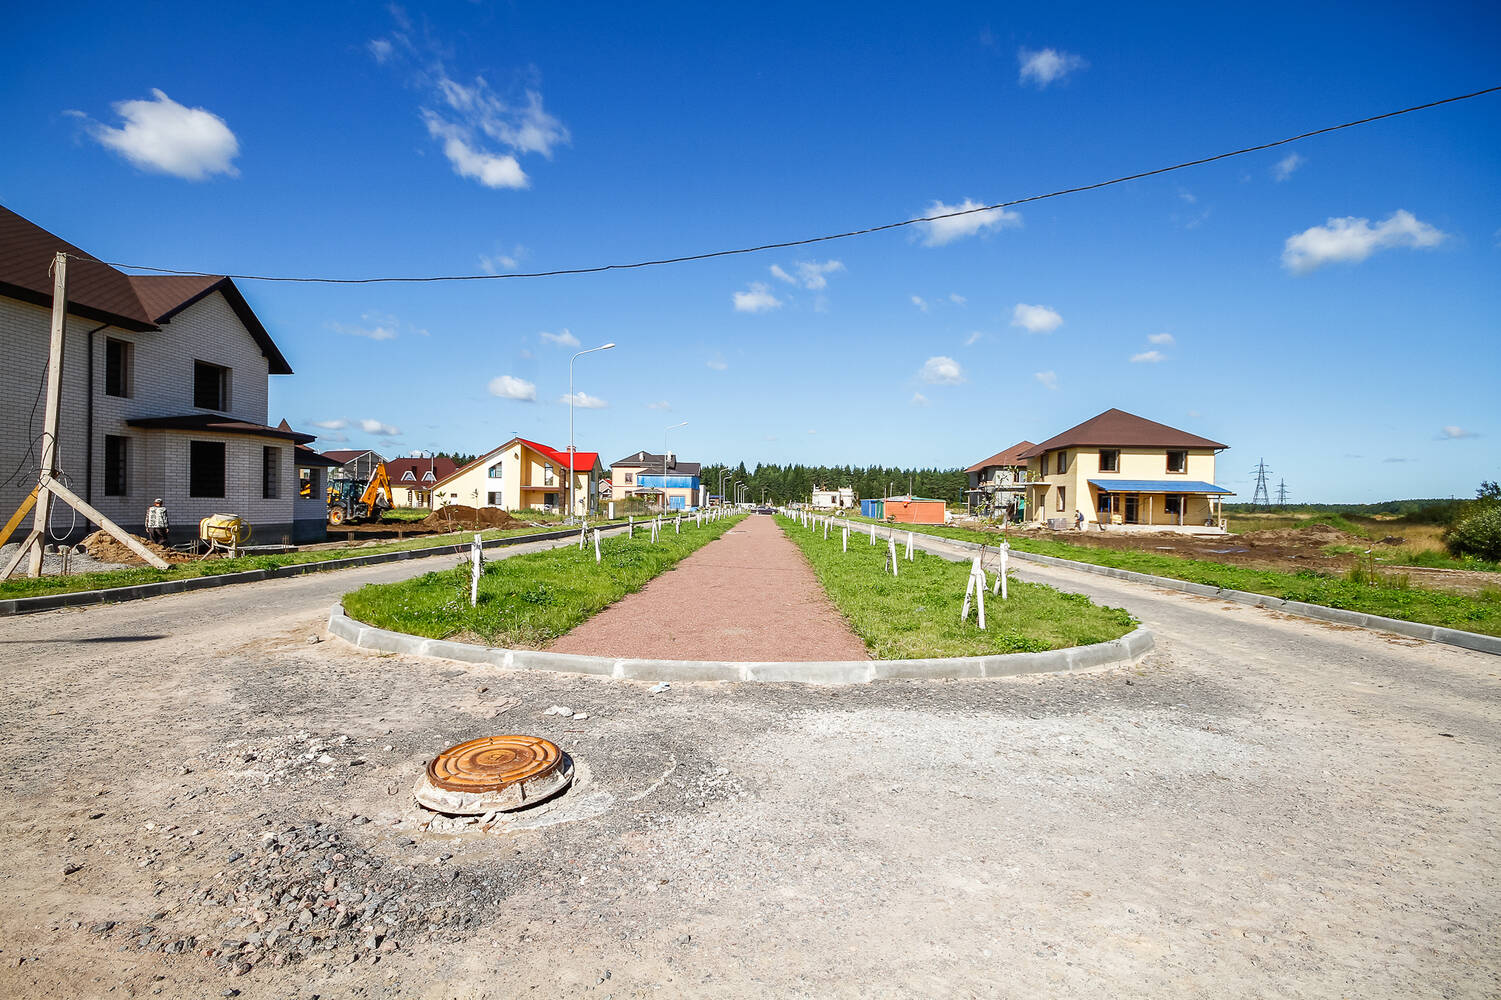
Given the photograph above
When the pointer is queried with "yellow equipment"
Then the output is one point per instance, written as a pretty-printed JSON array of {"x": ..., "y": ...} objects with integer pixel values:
[
  {"x": 224, "y": 532},
  {"x": 350, "y": 501}
]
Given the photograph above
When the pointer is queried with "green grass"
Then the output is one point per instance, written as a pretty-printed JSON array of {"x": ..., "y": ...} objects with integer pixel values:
[
  {"x": 1477, "y": 613},
  {"x": 916, "y": 613},
  {"x": 406, "y": 514},
  {"x": 106, "y": 579},
  {"x": 529, "y": 600}
]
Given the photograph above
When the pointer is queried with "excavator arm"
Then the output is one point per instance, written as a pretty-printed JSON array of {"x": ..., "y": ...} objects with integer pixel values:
[{"x": 379, "y": 483}]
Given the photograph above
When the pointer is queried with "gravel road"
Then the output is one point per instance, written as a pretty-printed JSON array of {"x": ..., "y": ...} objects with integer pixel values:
[{"x": 197, "y": 802}]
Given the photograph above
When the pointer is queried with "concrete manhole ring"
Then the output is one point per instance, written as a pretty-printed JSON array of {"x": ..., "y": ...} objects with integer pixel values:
[{"x": 494, "y": 774}]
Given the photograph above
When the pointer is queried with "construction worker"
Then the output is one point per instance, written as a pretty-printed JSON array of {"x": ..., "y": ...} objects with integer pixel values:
[{"x": 156, "y": 522}]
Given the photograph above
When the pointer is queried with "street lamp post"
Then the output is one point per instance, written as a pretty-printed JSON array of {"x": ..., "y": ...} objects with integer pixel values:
[
  {"x": 722, "y": 475},
  {"x": 572, "y": 501},
  {"x": 664, "y": 460}
]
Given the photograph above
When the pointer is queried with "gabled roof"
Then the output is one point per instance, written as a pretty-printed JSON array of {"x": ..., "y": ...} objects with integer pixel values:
[
  {"x": 346, "y": 455},
  {"x": 582, "y": 460},
  {"x": 441, "y": 468},
  {"x": 1117, "y": 428},
  {"x": 648, "y": 461},
  {"x": 1011, "y": 456},
  {"x": 96, "y": 291}
]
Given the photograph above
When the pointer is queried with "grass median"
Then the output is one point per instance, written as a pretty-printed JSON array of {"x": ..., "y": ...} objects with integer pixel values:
[
  {"x": 20, "y": 586},
  {"x": 915, "y": 614},
  {"x": 528, "y": 601},
  {"x": 1384, "y": 596}
]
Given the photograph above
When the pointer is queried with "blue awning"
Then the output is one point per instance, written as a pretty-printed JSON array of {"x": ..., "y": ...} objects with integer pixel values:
[{"x": 1157, "y": 486}]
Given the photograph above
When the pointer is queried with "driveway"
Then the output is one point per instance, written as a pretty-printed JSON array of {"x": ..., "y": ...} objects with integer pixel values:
[{"x": 1265, "y": 807}]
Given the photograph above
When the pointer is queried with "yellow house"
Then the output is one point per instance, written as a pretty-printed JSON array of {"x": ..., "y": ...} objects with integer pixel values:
[
  {"x": 523, "y": 475},
  {"x": 1123, "y": 471}
]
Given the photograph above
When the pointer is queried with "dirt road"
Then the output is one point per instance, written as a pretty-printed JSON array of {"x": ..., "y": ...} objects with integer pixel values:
[
  {"x": 1266, "y": 807},
  {"x": 749, "y": 595}
]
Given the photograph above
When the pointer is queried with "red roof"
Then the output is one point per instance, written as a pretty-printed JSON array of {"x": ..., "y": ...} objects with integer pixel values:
[
  {"x": 1011, "y": 456},
  {"x": 1117, "y": 428},
  {"x": 441, "y": 468},
  {"x": 582, "y": 460}
]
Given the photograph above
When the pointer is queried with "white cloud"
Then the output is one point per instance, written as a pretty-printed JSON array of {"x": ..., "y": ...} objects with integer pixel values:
[
  {"x": 1351, "y": 240},
  {"x": 1041, "y": 67},
  {"x": 941, "y": 370},
  {"x": 661, "y": 404},
  {"x": 583, "y": 399},
  {"x": 376, "y": 427},
  {"x": 1285, "y": 166},
  {"x": 377, "y": 327},
  {"x": 502, "y": 261},
  {"x": 1049, "y": 379},
  {"x": 511, "y": 387},
  {"x": 1165, "y": 339},
  {"x": 717, "y": 363},
  {"x": 777, "y": 272},
  {"x": 337, "y": 438},
  {"x": 1148, "y": 357},
  {"x": 160, "y": 134},
  {"x": 526, "y": 354},
  {"x": 563, "y": 338},
  {"x": 973, "y": 339},
  {"x": 920, "y": 302},
  {"x": 756, "y": 298},
  {"x": 813, "y": 274},
  {"x": 1452, "y": 433},
  {"x": 380, "y": 48},
  {"x": 957, "y": 299},
  {"x": 337, "y": 424},
  {"x": 1036, "y": 319},
  {"x": 918, "y": 399},
  {"x": 812, "y": 431},
  {"x": 493, "y": 170},
  {"x": 941, "y": 231}
]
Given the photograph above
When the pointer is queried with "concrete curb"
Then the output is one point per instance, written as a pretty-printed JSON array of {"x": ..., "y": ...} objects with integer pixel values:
[
  {"x": 1414, "y": 630},
  {"x": 1125, "y": 651},
  {"x": 51, "y": 602}
]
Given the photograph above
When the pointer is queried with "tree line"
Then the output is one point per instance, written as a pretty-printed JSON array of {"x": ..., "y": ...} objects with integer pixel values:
[{"x": 792, "y": 483}]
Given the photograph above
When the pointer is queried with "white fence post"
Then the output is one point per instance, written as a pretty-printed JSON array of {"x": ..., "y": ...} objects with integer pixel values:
[{"x": 476, "y": 560}]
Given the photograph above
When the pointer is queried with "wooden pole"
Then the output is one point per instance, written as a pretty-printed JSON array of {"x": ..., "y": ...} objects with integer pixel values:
[
  {"x": 18, "y": 516},
  {"x": 54, "y": 404}
]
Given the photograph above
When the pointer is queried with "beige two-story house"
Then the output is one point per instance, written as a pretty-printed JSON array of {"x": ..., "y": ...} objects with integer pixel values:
[
  {"x": 164, "y": 394},
  {"x": 1125, "y": 472},
  {"x": 524, "y": 475}
]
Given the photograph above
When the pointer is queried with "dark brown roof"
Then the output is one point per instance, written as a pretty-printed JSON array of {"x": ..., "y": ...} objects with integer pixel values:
[
  {"x": 1117, "y": 428},
  {"x": 307, "y": 458},
  {"x": 441, "y": 468},
  {"x": 99, "y": 292},
  {"x": 1011, "y": 456},
  {"x": 345, "y": 455},
  {"x": 649, "y": 462},
  {"x": 215, "y": 424}
]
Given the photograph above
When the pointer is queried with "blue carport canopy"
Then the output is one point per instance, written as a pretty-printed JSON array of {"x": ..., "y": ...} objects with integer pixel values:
[{"x": 1158, "y": 486}]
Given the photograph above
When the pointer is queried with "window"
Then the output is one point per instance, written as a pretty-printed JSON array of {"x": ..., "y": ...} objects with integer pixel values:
[
  {"x": 1110, "y": 460},
  {"x": 1062, "y": 466},
  {"x": 496, "y": 470},
  {"x": 309, "y": 483},
  {"x": 547, "y": 474},
  {"x": 270, "y": 473},
  {"x": 409, "y": 476},
  {"x": 1103, "y": 506},
  {"x": 1177, "y": 461},
  {"x": 1172, "y": 504},
  {"x": 630, "y": 477},
  {"x": 210, "y": 386},
  {"x": 116, "y": 465},
  {"x": 205, "y": 468},
  {"x": 1062, "y": 495},
  {"x": 117, "y": 358},
  {"x": 494, "y": 499}
]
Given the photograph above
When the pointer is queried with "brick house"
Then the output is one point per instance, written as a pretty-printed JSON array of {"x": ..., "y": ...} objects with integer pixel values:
[{"x": 164, "y": 385}]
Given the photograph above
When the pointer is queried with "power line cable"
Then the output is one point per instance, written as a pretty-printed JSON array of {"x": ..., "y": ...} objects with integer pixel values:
[{"x": 832, "y": 236}]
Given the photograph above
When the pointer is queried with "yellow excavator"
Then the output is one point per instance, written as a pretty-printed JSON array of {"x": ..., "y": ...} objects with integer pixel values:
[{"x": 351, "y": 501}]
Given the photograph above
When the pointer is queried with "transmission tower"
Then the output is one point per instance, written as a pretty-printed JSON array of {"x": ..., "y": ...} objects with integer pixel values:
[
  {"x": 1282, "y": 494},
  {"x": 1260, "y": 497}
]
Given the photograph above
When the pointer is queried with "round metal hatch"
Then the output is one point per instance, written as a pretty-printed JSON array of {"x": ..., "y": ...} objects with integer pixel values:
[{"x": 494, "y": 773}]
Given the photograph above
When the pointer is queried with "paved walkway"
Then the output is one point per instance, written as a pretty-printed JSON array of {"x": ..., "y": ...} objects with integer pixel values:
[{"x": 748, "y": 596}]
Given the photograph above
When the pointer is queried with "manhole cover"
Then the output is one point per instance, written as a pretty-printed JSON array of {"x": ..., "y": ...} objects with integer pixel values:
[{"x": 494, "y": 773}]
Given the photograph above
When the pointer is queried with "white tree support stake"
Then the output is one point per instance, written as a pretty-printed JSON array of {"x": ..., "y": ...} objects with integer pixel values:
[
  {"x": 678, "y": 525},
  {"x": 476, "y": 560},
  {"x": 630, "y": 527},
  {"x": 891, "y": 554},
  {"x": 909, "y": 546},
  {"x": 825, "y": 529},
  {"x": 975, "y": 587},
  {"x": 846, "y": 538},
  {"x": 872, "y": 534},
  {"x": 1000, "y": 578},
  {"x": 596, "y": 545}
]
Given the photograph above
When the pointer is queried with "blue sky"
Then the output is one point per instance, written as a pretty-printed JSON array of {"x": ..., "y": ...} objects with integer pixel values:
[{"x": 1336, "y": 313}]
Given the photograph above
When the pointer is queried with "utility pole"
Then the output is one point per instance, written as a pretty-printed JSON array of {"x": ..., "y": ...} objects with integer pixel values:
[
  {"x": 1282, "y": 494},
  {"x": 1260, "y": 496}
]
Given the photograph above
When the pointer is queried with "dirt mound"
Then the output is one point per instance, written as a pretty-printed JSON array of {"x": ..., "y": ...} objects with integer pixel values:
[
  {"x": 1313, "y": 535},
  {"x": 105, "y": 547},
  {"x": 459, "y": 517}
]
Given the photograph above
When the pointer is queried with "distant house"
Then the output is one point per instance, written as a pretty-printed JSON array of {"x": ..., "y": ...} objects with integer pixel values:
[
  {"x": 1124, "y": 471},
  {"x": 840, "y": 499},
  {"x": 354, "y": 463},
  {"x": 523, "y": 475},
  {"x": 413, "y": 479},
  {"x": 164, "y": 387},
  {"x": 661, "y": 480},
  {"x": 995, "y": 483}
]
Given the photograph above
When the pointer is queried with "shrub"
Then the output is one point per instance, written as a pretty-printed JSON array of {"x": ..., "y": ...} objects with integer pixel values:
[{"x": 1477, "y": 534}]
